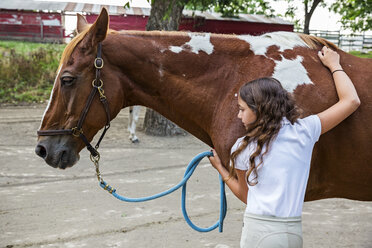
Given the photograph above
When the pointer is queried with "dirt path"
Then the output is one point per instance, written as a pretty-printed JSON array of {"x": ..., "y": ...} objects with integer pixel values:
[{"x": 45, "y": 207}]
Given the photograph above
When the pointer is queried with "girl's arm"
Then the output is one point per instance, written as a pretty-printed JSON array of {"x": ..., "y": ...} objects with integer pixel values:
[
  {"x": 348, "y": 98},
  {"x": 237, "y": 186}
]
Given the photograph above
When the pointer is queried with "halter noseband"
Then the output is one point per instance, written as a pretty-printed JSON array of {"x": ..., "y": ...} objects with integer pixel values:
[{"x": 78, "y": 130}]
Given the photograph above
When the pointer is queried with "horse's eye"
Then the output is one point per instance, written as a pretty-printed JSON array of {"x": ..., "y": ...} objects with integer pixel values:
[{"x": 67, "y": 80}]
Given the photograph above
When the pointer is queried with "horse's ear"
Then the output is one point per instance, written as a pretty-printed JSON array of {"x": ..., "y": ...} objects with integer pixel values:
[
  {"x": 82, "y": 23},
  {"x": 97, "y": 32}
]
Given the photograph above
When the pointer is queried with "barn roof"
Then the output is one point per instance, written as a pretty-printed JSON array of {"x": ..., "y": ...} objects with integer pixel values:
[{"x": 49, "y": 6}]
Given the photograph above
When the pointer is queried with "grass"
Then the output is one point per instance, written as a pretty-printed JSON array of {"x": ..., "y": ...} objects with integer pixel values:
[
  {"x": 362, "y": 54},
  {"x": 27, "y": 70}
]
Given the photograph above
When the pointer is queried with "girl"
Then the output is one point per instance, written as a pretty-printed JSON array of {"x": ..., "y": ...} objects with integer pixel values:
[{"x": 270, "y": 165}]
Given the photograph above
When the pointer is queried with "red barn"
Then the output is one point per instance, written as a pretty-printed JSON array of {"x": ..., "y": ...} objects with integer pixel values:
[
  {"x": 45, "y": 20},
  {"x": 136, "y": 19},
  {"x": 33, "y": 26}
]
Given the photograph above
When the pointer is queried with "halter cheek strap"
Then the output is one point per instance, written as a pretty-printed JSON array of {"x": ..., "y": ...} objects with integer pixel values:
[{"x": 97, "y": 86}]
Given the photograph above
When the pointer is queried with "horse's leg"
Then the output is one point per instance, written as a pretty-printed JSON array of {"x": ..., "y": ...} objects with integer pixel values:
[
  {"x": 133, "y": 119},
  {"x": 130, "y": 122}
]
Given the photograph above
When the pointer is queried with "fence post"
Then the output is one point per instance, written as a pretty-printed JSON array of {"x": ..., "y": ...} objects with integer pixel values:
[{"x": 41, "y": 30}]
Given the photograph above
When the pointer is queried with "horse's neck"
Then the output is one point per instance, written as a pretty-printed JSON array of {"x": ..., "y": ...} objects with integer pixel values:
[{"x": 176, "y": 85}]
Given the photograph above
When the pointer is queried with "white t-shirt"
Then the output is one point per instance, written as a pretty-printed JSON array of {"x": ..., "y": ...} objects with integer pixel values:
[{"x": 282, "y": 178}]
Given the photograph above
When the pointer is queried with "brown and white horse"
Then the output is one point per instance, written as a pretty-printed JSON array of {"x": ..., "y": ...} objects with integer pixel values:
[{"x": 192, "y": 79}]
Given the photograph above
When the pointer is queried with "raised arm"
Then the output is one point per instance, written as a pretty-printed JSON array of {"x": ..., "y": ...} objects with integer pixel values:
[{"x": 348, "y": 98}]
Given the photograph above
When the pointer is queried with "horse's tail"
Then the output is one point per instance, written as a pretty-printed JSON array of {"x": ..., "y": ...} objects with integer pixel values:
[{"x": 316, "y": 42}]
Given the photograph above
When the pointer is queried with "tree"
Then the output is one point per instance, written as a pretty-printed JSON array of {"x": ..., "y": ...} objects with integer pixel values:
[
  {"x": 309, "y": 8},
  {"x": 164, "y": 15},
  {"x": 309, "y": 12},
  {"x": 355, "y": 14}
]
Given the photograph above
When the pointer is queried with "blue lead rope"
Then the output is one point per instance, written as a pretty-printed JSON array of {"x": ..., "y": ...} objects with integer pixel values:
[{"x": 189, "y": 171}]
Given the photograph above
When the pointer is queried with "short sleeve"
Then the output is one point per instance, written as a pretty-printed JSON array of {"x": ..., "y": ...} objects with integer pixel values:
[
  {"x": 314, "y": 127},
  {"x": 242, "y": 160}
]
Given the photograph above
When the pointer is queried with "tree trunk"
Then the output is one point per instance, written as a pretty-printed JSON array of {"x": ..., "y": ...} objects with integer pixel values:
[
  {"x": 307, "y": 24},
  {"x": 158, "y": 125},
  {"x": 308, "y": 14},
  {"x": 165, "y": 15}
]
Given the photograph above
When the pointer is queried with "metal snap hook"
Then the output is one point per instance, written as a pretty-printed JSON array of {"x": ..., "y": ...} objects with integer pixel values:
[{"x": 95, "y": 159}]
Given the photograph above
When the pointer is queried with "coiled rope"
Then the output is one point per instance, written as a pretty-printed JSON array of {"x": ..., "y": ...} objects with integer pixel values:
[{"x": 189, "y": 171}]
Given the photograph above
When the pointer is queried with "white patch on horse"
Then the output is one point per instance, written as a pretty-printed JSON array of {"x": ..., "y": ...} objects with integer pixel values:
[
  {"x": 50, "y": 97},
  {"x": 284, "y": 40},
  {"x": 161, "y": 71},
  {"x": 175, "y": 49},
  {"x": 198, "y": 42},
  {"x": 291, "y": 73}
]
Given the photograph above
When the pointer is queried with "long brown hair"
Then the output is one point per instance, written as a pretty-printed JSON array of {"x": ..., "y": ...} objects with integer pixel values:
[{"x": 270, "y": 102}]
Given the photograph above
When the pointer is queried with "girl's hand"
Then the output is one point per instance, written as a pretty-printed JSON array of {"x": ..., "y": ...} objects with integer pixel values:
[
  {"x": 237, "y": 185},
  {"x": 329, "y": 58},
  {"x": 215, "y": 160}
]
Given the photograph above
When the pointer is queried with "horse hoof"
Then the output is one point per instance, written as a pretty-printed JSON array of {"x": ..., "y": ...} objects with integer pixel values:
[{"x": 135, "y": 141}]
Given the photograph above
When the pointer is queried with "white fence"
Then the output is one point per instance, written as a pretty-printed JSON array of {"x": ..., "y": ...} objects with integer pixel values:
[{"x": 347, "y": 42}]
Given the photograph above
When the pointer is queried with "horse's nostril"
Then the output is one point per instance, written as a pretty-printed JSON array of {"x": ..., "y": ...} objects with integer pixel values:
[{"x": 41, "y": 151}]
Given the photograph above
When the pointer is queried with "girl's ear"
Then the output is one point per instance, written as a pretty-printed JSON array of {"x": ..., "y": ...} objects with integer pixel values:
[{"x": 97, "y": 32}]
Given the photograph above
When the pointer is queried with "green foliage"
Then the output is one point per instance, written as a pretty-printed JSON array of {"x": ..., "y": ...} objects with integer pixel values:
[
  {"x": 362, "y": 54},
  {"x": 231, "y": 8},
  {"x": 228, "y": 8},
  {"x": 355, "y": 14},
  {"x": 27, "y": 70}
]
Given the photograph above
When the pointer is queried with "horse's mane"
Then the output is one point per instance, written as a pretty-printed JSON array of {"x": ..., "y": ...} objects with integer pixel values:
[
  {"x": 315, "y": 42},
  {"x": 71, "y": 46}
]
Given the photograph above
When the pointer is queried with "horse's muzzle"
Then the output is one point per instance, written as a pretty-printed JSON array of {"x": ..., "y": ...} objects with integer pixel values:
[{"x": 58, "y": 152}]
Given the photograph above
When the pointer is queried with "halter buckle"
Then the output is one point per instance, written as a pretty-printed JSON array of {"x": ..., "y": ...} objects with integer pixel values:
[
  {"x": 76, "y": 132},
  {"x": 98, "y": 63}
]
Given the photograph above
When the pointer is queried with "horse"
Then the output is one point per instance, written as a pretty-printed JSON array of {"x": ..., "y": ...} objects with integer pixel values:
[
  {"x": 134, "y": 112},
  {"x": 193, "y": 79}
]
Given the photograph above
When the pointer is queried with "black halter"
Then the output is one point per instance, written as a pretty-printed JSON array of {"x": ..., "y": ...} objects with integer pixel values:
[{"x": 78, "y": 130}]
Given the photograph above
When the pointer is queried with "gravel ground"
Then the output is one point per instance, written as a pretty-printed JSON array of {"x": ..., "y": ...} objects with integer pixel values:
[{"x": 45, "y": 207}]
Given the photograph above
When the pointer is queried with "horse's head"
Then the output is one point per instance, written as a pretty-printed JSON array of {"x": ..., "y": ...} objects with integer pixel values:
[{"x": 71, "y": 90}]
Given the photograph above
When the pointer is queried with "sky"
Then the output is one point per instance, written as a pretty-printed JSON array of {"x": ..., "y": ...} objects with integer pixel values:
[{"x": 322, "y": 19}]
